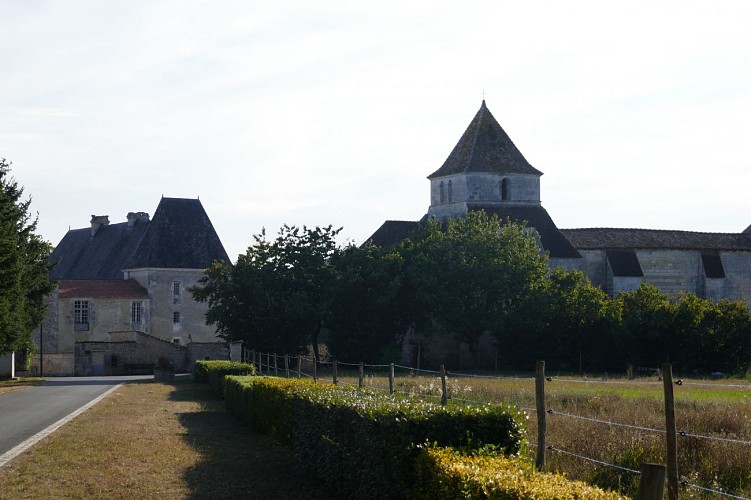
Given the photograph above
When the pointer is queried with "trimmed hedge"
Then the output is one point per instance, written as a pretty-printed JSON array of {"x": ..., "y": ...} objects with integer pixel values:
[
  {"x": 445, "y": 473},
  {"x": 213, "y": 372},
  {"x": 361, "y": 443}
]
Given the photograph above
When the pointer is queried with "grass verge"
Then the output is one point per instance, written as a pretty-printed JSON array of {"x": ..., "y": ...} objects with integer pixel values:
[
  {"x": 150, "y": 440},
  {"x": 19, "y": 383}
]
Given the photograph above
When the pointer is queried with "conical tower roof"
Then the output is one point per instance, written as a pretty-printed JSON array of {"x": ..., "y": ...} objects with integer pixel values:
[{"x": 485, "y": 147}]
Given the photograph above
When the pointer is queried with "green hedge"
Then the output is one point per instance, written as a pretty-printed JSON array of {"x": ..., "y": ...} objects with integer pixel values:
[
  {"x": 362, "y": 443},
  {"x": 213, "y": 372},
  {"x": 445, "y": 473}
]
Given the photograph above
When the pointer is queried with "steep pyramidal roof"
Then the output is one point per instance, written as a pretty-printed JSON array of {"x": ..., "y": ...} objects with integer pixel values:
[
  {"x": 179, "y": 236},
  {"x": 485, "y": 147}
]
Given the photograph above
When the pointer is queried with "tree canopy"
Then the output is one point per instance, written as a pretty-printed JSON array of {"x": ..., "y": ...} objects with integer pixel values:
[{"x": 24, "y": 267}]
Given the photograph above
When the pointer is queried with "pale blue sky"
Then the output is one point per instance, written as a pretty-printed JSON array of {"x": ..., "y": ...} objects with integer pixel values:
[{"x": 333, "y": 112}]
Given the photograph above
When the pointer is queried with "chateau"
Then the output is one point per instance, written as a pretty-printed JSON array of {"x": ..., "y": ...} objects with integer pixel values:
[
  {"x": 122, "y": 303},
  {"x": 486, "y": 171}
]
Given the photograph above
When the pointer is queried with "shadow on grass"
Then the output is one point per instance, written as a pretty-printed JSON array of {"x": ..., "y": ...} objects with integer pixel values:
[{"x": 234, "y": 461}]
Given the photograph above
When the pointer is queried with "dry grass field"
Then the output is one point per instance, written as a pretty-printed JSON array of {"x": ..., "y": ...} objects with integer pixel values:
[
  {"x": 718, "y": 411},
  {"x": 153, "y": 440},
  {"x": 18, "y": 384}
]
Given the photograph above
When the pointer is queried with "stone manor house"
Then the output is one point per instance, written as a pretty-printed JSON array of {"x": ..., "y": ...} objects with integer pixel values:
[
  {"x": 486, "y": 171},
  {"x": 122, "y": 303}
]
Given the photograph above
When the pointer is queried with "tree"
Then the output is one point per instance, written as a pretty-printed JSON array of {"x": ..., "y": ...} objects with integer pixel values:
[
  {"x": 277, "y": 296},
  {"x": 24, "y": 267},
  {"x": 364, "y": 322},
  {"x": 465, "y": 279},
  {"x": 649, "y": 323}
]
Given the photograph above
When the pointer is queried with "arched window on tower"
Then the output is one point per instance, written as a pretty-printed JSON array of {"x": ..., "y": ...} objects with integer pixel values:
[
  {"x": 451, "y": 194},
  {"x": 504, "y": 188},
  {"x": 442, "y": 195}
]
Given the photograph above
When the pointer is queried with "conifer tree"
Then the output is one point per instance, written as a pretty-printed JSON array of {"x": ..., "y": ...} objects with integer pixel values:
[{"x": 24, "y": 267}]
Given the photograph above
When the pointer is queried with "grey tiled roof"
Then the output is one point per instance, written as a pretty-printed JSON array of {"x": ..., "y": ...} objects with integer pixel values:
[
  {"x": 604, "y": 238},
  {"x": 624, "y": 263},
  {"x": 392, "y": 232},
  {"x": 180, "y": 235},
  {"x": 485, "y": 147},
  {"x": 79, "y": 256}
]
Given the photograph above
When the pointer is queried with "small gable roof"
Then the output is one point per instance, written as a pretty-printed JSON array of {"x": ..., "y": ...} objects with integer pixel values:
[
  {"x": 101, "y": 289},
  {"x": 180, "y": 235},
  {"x": 624, "y": 263},
  {"x": 485, "y": 147},
  {"x": 604, "y": 238}
]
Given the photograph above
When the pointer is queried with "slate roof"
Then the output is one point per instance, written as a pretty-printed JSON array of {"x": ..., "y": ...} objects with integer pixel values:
[
  {"x": 180, "y": 235},
  {"x": 537, "y": 217},
  {"x": 392, "y": 232},
  {"x": 485, "y": 147},
  {"x": 604, "y": 238},
  {"x": 81, "y": 257},
  {"x": 624, "y": 263},
  {"x": 104, "y": 289}
]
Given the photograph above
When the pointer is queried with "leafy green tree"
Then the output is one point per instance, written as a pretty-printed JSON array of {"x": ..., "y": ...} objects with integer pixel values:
[
  {"x": 464, "y": 278},
  {"x": 24, "y": 267},
  {"x": 277, "y": 296},
  {"x": 365, "y": 323},
  {"x": 649, "y": 323}
]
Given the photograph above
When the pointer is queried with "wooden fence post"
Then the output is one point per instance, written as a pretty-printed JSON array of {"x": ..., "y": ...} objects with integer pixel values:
[
  {"x": 652, "y": 482},
  {"x": 286, "y": 365},
  {"x": 276, "y": 367},
  {"x": 670, "y": 434},
  {"x": 541, "y": 414},
  {"x": 334, "y": 372},
  {"x": 362, "y": 375},
  {"x": 444, "y": 393},
  {"x": 315, "y": 369},
  {"x": 391, "y": 379},
  {"x": 253, "y": 358},
  {"x": 299, "y": 365}
]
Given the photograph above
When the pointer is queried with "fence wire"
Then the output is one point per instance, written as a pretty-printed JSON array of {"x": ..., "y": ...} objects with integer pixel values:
[{"x": 382, "y": 371}]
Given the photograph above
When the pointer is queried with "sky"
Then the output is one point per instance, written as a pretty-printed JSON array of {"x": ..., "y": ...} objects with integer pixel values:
[{"x": 335, "y": 112}]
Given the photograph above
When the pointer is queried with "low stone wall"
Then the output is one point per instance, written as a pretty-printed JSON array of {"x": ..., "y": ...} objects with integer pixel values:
[
  {"x": 56, "y": 364},
  {"x": 137, "y": 353}
]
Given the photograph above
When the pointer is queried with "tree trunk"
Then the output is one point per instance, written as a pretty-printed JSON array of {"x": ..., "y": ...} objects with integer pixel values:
[{"x": 314, "y": 340}]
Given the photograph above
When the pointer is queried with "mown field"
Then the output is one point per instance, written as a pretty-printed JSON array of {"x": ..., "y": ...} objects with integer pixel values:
[{"x": 715, "y": 453}]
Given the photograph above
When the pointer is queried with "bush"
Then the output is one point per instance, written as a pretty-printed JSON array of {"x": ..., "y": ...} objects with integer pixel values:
[
  {"x": 445, "y": 473},
  {"x": 213, "y": 372},
  {"x": 362, "y": 443}
]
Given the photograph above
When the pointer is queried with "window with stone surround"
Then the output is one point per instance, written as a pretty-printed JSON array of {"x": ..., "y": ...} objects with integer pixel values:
[
  {"x": 135, "y": 312},
  {"x": 176, "y": 320},
  {"x": 81, "y": 315}
]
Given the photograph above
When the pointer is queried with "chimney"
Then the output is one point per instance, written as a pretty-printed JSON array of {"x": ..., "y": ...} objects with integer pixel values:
[
  {"x": 98, "y": 221},
  {"x": 134, "y": 217}
]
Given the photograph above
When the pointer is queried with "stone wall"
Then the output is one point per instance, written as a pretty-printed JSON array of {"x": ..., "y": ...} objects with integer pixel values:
[{"x": 164, "y": 303}]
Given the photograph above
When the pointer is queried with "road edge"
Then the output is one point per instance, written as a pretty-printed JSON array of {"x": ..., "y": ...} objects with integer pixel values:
[{"x": 9, "y": 455}]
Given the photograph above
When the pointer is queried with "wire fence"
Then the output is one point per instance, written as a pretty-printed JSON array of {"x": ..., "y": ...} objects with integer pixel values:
[{"x": 413, "y": 382}]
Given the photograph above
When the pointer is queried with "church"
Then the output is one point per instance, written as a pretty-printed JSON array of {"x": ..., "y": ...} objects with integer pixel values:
[{"x": 486, "y": 171}]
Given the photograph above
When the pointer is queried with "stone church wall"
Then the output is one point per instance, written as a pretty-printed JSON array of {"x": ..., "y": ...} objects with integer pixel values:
[{"x": 737, "y": 275}]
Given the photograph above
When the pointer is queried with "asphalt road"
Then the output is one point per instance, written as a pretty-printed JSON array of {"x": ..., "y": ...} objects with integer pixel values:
[{"x": 26, "y": 412}]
